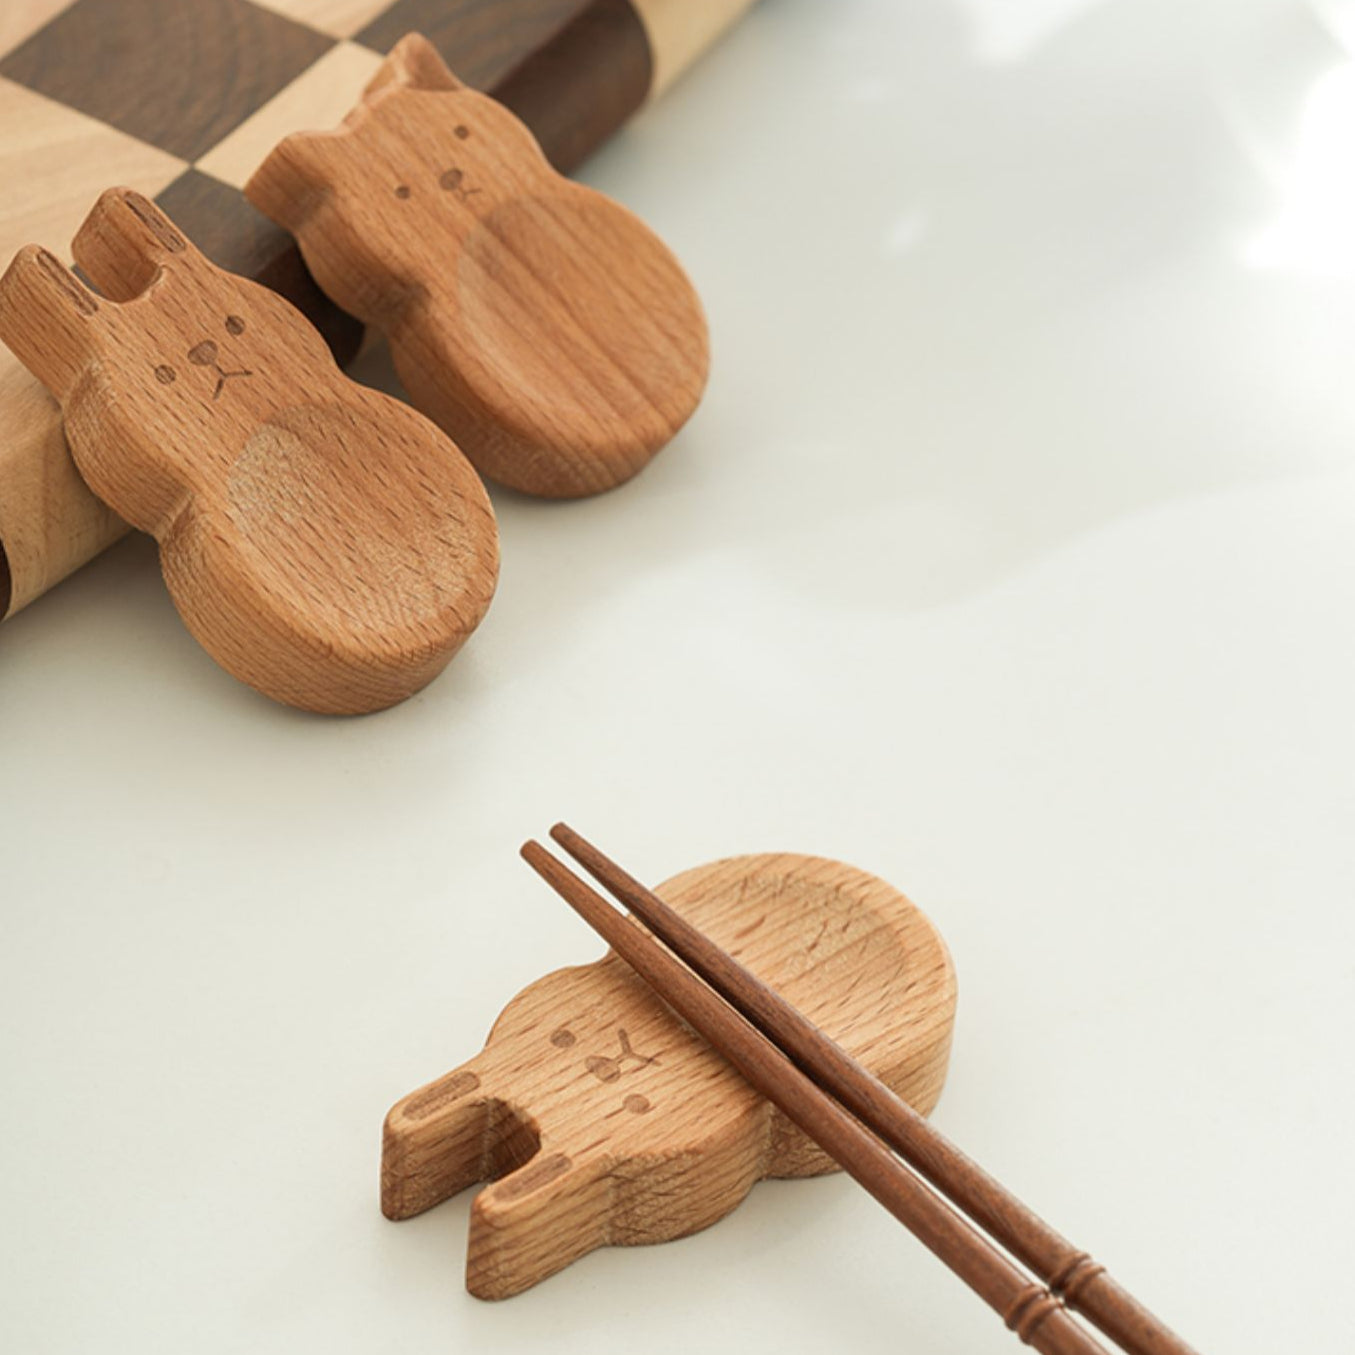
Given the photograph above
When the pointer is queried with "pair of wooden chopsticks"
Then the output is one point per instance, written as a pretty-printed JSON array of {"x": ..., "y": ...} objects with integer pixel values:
[{"x": 860, "y": 1122}]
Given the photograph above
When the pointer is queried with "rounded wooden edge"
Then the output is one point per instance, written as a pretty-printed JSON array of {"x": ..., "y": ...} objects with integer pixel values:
[
  {"x": 918, "y": 1073},
  {"x": 875, "y": 892}
]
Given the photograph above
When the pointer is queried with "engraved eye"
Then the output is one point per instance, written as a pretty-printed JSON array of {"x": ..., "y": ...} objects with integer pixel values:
[
  {"x": 562, "y": 1038},
  {"x": 234, "y": 325},
  {"x": 402, "y": 192},
  {"x": 636, "y": 1104},
  {"x": 202, "y": 354},
  {"x": 451, "y": 179},
  {"x": 461, "y": 131},
  {"x": 164, "y": 374}
]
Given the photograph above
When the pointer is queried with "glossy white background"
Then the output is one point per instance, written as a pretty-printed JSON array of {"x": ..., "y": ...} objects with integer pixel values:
[{"x": 1010, "y": 556}]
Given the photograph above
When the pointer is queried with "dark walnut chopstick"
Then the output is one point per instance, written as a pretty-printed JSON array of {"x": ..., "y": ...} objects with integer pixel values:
[
  {"x": 1027, "y": 1307},
  {"x": 1071, "y": 1274}
]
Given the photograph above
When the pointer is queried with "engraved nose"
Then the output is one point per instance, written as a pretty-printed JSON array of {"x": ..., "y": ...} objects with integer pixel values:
[
  {"x": 451, "y": 179},
  {"x": 202, "y": 354},
  {"x": 603, "y": 1068}
]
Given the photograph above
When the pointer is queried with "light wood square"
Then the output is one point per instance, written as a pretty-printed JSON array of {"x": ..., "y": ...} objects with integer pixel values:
[
  {"x": 64, "y": 160},
  {"x": 338, "y": 18},
  {"x": 316, "y": 100}
]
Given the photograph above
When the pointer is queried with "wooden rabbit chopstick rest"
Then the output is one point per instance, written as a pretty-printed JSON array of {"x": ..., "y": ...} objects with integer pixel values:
[
  {"x": 324, "y": 542},
  {"x": 539, "y": 323},
  {"x": 867, "y": 1128},
  {"x": 607, "y": 1121}
]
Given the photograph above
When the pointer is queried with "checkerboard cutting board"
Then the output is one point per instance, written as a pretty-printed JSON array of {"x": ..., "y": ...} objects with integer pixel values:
[{"x": 181, "y": 99}]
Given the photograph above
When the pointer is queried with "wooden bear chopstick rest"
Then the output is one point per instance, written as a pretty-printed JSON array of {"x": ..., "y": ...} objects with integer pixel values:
[
  {"x": 607, "y": 1121},
  {"x": 538, "y": 322},
  {"x": 324, "y": 542}
]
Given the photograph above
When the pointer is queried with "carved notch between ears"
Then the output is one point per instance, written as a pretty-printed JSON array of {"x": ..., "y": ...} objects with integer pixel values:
[{"x": 124, "y": 242}]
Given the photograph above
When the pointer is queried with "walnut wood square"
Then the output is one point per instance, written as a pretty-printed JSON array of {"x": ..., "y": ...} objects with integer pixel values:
[
  {"x": 179, "y": 76},
  {"x": 578, "y": 88},
  {"x": 481, "y": 40},
  {"x": 340, "y": 18}
]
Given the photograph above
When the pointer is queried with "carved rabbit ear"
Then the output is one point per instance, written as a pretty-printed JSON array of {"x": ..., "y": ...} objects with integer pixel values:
[
  {"x": 414, "y": 63},
  {"x": 537, "y": 1220},
  {"x": 433, "y": 1145},
  {"x": 124, "y": 242},
  {"x": 49, "y": 318},
  {"x": 294, "y": 176}
]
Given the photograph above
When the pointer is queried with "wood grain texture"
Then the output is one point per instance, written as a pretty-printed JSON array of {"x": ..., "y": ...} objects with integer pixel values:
[
  {"x": 319, "y": 96},
  {"x": 539, "y": 323},
  {"x": 239, "y": 239},
  {"x": 20, "y": 19},
  {"x": 605, "y": 1121},
  {"x": 183, "y": 106},
  {"x": 338, "y": 18},
  {"x": 568, "y": 115},
  {"x": 322, "y": 541},
  {"x": 50, "y": 522},
  {"x": 482, "y": 40},
  {"x": 572, "y": 70}
]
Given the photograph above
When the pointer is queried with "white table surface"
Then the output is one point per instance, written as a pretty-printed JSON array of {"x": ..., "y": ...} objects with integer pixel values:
[{"x": 1010, "y": 557}]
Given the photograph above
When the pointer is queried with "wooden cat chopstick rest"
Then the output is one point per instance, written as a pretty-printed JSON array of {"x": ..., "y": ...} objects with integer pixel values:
[
  {"x": 324, "y": 542},
  {"x": 604, "y": 1120},
  {"x": 541, "y": 324}
]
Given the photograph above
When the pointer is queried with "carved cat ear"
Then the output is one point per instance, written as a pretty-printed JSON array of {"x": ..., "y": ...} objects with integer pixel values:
[
  {"x": 124, "y": 242},
  {"x": 415, "y": 64},
  {"x": 49, "y": 318},
  {"x": 294, "y": 176}
]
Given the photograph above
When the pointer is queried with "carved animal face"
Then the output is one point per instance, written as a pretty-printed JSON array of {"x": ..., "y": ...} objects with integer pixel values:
[
  {"x": 420, "y": 156},
  {"x": 217, "y": 350},
  {"x": 166, "y": 329},
  {"x": 207, "y": 356}
]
